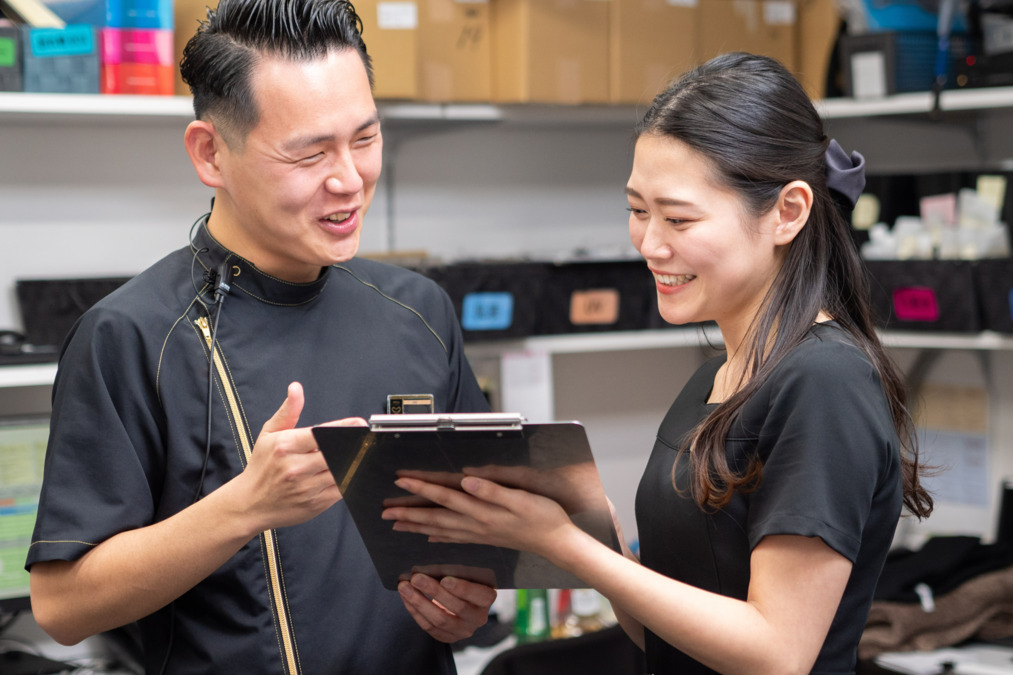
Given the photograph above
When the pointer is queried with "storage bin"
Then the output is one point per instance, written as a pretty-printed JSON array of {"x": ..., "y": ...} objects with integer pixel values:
[
  {"x": 924, "y": 295},
  {"x": 994, "y": 282},
  {"x": 597, "y": 296},
  {"x": 494, "y": 300}
]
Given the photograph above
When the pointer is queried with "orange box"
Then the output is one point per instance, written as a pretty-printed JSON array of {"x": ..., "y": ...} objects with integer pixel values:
[
  {"x": 651, "y": 43},
  {"x": 455, "y": 50},
  {"x": 149, "y": 79},
  {"x": 550, "y": 51},
  {"x": 390, "y": 30}
]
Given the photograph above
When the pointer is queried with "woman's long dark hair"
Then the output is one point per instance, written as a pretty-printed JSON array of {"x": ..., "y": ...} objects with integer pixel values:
[{"x": 757, "y": 127}]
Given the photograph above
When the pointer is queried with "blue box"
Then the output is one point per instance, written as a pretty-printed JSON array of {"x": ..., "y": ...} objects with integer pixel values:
[
  {"x": 116, "y": 13},
  {"x": 61, "y": 60},
  {"x": 10, "y": 59}
]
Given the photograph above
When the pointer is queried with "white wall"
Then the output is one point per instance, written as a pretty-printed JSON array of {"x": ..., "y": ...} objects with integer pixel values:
[{"x": 92, "y": 198}]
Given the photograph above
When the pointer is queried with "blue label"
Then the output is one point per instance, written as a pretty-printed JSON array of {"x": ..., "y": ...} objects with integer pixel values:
[
  {"x": 1011, "y": 303},
  {"x": 487, "y": 311},
  {"x": 74, "y": 40}
]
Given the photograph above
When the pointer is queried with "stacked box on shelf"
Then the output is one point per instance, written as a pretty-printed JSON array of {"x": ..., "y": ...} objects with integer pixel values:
[
  {"x": 136, "y": 42},
  {"x": 137, "y": 61},
  {"x": 650, "y": 43},
  {"x": 924, "y": 295},
  {"x": 60, "y": 60},
  {"x": 10, "y": 59},
  {"x": 143, "y": 14},
  {"x": 455, "y": 50},
  {"x": 994, "y": 279},
  {"x": 550, "y": 51}
]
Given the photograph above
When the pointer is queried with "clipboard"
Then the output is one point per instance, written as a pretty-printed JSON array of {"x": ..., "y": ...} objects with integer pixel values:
[{"x": 553, "y": 459}]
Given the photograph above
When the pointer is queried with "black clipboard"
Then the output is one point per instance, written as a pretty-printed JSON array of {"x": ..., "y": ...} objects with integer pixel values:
[{"x": 553, "y": 459}]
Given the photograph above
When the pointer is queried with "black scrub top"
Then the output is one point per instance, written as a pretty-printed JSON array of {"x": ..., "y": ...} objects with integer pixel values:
[
  {"x": 128, "y": 442},
  {"x": 831, "y": 469}
]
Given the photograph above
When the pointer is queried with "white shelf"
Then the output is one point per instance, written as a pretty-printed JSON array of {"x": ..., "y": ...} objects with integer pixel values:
[
  {"x": 583, "y": 343},
  {"x": 695, "y": 337},
  {"x": 55, "y": 107},
  {"x": 34, "y": 375},
  {"x": 922, "y": 102},
  {"x": 22, "y": 106}
]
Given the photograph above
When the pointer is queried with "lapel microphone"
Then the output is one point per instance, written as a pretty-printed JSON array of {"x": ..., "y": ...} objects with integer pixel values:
[{"x": 221, "y": 281}]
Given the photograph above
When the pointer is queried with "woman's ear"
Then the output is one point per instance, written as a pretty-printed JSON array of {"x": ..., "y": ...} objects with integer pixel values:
[
  {"x": 793, "y": 208},
  {"x": 204, "y": 145}
]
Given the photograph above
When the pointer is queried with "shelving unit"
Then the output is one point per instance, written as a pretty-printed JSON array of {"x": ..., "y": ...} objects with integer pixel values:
[{"x": 463, "y": 177}]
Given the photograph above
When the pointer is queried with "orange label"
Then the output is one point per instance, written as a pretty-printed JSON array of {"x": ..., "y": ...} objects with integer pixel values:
[{"x": 598, "y": 306}]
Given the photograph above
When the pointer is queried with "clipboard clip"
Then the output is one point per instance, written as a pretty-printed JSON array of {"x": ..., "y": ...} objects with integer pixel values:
[{"x": 447, "y": 422}]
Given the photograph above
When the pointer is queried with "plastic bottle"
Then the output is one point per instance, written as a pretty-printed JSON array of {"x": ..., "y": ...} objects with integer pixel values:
[{"x": 531, "y": 622}]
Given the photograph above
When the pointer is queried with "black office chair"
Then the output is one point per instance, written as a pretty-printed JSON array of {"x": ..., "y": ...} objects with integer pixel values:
[{"x": 605, "y": 651}]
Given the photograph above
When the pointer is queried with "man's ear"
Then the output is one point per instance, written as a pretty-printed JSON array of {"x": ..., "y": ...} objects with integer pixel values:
[
  {"x": 205, "y": 146},
  {"x": 793, "y": 208}
]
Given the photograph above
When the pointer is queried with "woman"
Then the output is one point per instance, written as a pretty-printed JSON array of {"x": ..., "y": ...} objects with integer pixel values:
[{"x": 771, "y": 497}]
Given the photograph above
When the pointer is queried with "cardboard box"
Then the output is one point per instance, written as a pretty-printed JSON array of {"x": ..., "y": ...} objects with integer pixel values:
[
  {"x": 61, "y": 60},
  {"x": 455, "y": 50},
  {"x": 651, "y": 43},
  {"x": 390, "y": 30},
  {"x": 187, "y": 15},
  {"x": 10, "y": 59},
  {"x": 550, "y": 51},
  {"x": 765, "y": 27},
  {"x": 818, "y": 24}
]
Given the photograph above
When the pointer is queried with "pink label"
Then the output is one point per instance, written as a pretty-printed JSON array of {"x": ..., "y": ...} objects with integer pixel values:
[{"x": 915, "y": 303}]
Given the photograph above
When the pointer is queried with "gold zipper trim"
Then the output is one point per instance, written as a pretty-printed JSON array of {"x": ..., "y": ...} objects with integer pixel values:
[{"x": 270, "y": 537}]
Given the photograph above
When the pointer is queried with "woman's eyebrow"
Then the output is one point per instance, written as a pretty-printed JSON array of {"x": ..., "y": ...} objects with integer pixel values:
[{"x": 662, "y": 201}]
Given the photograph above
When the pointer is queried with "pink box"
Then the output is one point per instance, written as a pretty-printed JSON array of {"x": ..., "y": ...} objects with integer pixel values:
[{"x": 136, "y": 45}]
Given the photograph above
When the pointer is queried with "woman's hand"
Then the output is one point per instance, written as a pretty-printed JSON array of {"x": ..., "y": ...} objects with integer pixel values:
[{"x": 482, "y": 512}]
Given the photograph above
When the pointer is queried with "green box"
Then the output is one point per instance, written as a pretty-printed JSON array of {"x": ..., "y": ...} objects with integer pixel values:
[{"x": 10, "y": 59}]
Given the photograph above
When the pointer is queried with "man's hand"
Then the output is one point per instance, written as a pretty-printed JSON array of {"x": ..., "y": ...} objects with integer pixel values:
[
  {"x": 287, "y": 480},
  {"x": 450, "y": 609}
]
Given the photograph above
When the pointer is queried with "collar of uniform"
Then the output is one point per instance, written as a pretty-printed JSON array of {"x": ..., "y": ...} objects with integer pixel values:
[{"x": 248, "y": 279}]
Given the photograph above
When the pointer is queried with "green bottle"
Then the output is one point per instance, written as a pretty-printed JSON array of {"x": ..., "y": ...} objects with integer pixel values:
[{"x": 531, "y": 622}]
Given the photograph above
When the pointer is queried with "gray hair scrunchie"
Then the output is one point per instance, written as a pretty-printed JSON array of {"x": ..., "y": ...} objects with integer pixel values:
[{"x": 845, "y": 173}]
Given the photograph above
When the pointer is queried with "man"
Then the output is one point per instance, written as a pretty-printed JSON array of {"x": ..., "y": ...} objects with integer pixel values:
[{"x": 161, "y": 504}]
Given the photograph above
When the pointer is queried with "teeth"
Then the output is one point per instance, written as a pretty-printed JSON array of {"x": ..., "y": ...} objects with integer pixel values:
[
  {"x": 674, "y": 279},
  {"x": 338, "y": 217}
]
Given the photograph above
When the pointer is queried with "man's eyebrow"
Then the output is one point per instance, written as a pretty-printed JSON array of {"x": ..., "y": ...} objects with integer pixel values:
[
  {"x": 307, "y": 141},
  {"x": 662, "y": 201}
]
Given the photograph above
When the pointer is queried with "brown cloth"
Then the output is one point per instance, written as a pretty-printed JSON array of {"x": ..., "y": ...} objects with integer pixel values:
[{"x": 981, "y": 608}]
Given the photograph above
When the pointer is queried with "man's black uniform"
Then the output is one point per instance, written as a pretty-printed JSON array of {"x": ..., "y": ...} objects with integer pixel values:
[{"x": 127, "y": 447}]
